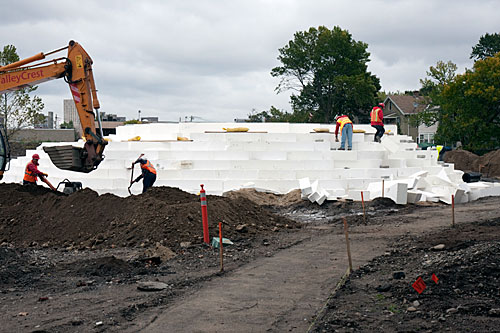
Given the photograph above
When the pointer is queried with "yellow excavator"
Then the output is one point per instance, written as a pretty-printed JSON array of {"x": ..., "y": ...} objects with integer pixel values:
[{"x": 76, "y": 70}]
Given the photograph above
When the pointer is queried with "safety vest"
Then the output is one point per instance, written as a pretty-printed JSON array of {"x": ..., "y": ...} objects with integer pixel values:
[
  {"x": 374, "y": 118},
  {"x": 148, "y": 166},
  {"x": 28, "y": 175},
  {"x": 342, "y": 121}
]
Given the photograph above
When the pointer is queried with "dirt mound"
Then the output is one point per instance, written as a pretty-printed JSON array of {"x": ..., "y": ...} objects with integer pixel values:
[
  {"x": 36, "y": 216},
  {"x": 488, "y": 164},
  {"x": 267, "y": 199},
  {"x": 462, "y": 159}
]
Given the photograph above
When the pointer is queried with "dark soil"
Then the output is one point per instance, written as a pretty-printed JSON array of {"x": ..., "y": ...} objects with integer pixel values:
[
  {"x": 466, "y": 297},
  {"x": 70, "y": 262},
  {"x": 36, "y": 216}
]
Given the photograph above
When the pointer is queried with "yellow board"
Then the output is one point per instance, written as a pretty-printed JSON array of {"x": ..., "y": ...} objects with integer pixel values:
[
  {"x": 135, "y": 138},
  {"x": 321, "y": 130},
  {"x": 182, "y": 138},
  {"x": 358, "y": 131},
  {"x": 236, "y": 129}
]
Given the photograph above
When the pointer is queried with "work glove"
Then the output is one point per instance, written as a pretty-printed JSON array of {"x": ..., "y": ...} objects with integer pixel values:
[
  {"x": 336, "y": 139},
  {"x": 44, "y": 174}
]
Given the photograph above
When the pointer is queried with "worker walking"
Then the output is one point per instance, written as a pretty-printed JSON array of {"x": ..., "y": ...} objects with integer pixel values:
[
  {"x": 148, "y": 173},
  {"x": 344, "y": 125},
  {"x": 31, "y": 173},
  {"x": 377, "y": 121}
]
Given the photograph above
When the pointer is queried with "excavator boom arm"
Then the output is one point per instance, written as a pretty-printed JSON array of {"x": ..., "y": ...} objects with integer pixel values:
[{"x": 76, "y": 69}]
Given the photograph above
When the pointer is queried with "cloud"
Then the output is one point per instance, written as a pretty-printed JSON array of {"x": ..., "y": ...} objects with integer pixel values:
[{"x": 212, "y": 59}]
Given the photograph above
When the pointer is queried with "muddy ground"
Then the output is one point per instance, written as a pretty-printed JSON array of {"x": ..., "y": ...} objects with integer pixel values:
[{"x": 75, "y": 263}]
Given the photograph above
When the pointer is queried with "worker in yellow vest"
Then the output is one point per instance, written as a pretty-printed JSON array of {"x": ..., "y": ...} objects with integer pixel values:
[{"x": 344, "y": 126}]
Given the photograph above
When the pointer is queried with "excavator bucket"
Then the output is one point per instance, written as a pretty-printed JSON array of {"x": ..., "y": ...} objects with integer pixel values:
[{"x": 68, "y": 158}]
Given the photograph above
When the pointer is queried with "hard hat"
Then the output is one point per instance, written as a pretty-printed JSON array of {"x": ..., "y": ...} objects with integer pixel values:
[
  {"x": 382, "y": 105},
  {"x": 35, "y": 157}
]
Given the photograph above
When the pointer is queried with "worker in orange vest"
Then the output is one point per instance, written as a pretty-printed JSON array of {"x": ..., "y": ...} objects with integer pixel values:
[
  {"x": 31, "y": 173},
  {"x": 148, "y": 173},
  {"x": 377, "y": 121},
  {"x": 344, "y": 126}
]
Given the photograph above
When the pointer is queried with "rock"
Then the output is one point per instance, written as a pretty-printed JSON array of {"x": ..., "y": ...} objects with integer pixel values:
[
  {"x": 384, "y": 288},
  {"x": 163, "y": 252},
  {"x": 452, "y": 310},
  {"x": 242, "y": 228},
  {"x": 411, "y": 309},
  {"x": 439, "y": 247},
  {"x": 398, "y": 275},
  {"x": 151, "y": 286},
  {"x": 494, "y": 312},
  {"x": 76, "y": 322},
  {"x": 185, "y": 244}
]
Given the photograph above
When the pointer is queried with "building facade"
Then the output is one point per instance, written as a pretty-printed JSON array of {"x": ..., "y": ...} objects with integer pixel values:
[{"x": 71, "y": 114}]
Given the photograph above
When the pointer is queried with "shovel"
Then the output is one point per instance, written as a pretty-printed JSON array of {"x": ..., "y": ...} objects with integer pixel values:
[
  {"x": 132, "y": 175},
  {"x": 131, "y": 179}
]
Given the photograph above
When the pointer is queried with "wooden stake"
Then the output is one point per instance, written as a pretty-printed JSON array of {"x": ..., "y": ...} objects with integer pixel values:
[
  {"x": 348, "y": 246},
  {"x": 383, "y": 187},
  {"x": 363, "y": 204},
  {"x": 221, "y": 248},
  {"x": 452, "y": 211}
]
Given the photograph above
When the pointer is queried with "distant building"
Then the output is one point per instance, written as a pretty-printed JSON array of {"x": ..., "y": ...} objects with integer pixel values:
[
  {"x": 71, "y": 114},
  {"x": 110, "y": 122},
  {"x": 50, "y": 120},
  {"x": 399, "y": 109},
  {"x": 149, "y": 119}
]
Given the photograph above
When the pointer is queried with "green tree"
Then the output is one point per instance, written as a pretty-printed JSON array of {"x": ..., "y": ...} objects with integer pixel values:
[
  {"x": 326, "y": 70},
  {"x": 133, "y": 121},
  {"x": 67, "y": 125},
  {"x": 488, "y": 45},
  {"x": 17, "y": 109},
  {"x": 432, "y": 87},
  {"x": 470, "y": 107},
  {"x": 273, "y": 115}
]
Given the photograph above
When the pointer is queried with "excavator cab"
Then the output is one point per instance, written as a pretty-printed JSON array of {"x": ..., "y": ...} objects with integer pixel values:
[{"x": 4, "y": 152}]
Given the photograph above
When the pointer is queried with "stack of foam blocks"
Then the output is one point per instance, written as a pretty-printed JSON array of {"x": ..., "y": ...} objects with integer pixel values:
[{"x": 272, "y": 157}]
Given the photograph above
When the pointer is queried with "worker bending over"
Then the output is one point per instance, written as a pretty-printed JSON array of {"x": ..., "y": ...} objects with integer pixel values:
[
  {"x": 344, "y": 124},
  {"x": 31, "y": 173},
  {"x": 148, "y": 173}
]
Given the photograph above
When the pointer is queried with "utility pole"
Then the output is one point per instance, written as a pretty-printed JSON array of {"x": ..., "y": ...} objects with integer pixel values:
[{"x": 139, "y": 115}]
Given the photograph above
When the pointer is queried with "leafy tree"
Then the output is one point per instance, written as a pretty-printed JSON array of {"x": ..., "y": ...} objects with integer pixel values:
[
  {"x": 487, "y": 46},
  {"x": 274, "y": 115},
  {"x": 327, "y": 72},
  {"x": 68, "y": 124},
  {"x": 432, "y": 87},
  {"x": 17, "y": 109},
  {"x": 132, "y": 121},
  {"x": 470, "y": 107}
]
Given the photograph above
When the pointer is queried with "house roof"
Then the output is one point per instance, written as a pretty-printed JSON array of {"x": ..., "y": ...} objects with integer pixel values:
[{"x": 408, "y": 104}]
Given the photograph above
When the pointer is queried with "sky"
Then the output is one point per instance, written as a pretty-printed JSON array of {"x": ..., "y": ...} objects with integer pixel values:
[{"x": 210, "y": 60}]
